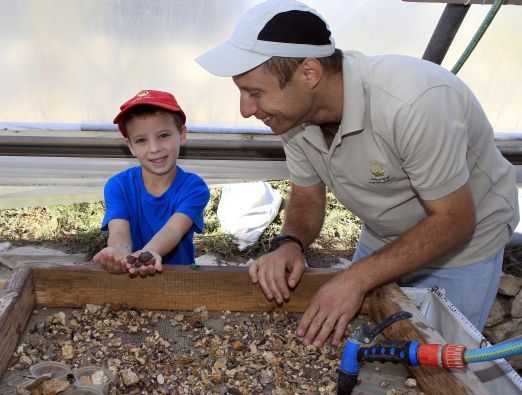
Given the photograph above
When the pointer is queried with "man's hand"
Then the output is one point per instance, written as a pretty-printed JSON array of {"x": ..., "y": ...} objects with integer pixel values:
[
  {"x": 330, "y": 310},
  {"x": 278, "y": 271},
  {"x": 144, "y": 262},
  {"x": 112, "y": 259}
]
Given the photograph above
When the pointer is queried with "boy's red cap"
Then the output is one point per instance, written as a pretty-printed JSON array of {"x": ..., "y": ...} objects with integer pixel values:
[{"x": 149, "y": 97}]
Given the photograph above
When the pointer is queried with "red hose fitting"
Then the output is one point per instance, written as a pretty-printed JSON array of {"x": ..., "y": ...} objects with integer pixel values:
[
  {"x": 449, "y": 356},
  {"x": 453, "y": 356},
  {"x": 429, "y": 355}
]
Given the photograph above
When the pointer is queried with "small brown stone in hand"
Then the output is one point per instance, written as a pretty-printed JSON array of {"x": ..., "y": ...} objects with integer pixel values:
[
  {"x": 133, "y": 261},
  {"x": 146, "y": 258}
]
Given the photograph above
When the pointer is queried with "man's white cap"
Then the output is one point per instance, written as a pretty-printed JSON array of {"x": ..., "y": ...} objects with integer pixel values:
[{"x": 285, "y": 28}]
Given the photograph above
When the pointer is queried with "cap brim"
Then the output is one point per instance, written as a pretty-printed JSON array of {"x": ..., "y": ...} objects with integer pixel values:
[{"x": 227, "y": 60}]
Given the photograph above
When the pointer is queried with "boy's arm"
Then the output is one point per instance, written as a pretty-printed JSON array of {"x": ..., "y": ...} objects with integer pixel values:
[
  {"x": 164, "y": 241},
  {"x": 119, "y": 245},
  {"x": 120, "y": 236},
  {"x": 169, "y": 235}
]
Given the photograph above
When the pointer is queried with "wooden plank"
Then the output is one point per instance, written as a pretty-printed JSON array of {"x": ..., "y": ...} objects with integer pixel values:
[
  {"x": 390, "y": 299},
  {"x": 178, "y": 288},
  {"x": 16, "y": 305},
  {"x": 465, "y": 2}
]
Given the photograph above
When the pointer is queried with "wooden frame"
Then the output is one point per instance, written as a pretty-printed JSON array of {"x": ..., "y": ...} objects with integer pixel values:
[{"x": 184, "y": 288}]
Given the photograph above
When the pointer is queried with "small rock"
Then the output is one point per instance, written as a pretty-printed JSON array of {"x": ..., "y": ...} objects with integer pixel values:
[
  {"x": 267, "y": 377},
  {"x": 410, "y": 383},
  {"x": 498, "y": 312},
  {"x": 384, "y": 384},
  {"x": 503, "y": 331},
  {"x": 516, "y": 306},
  {"x": 92, "y": 308},
  {"x": 129, "y": 377},
  {"x": 59, "y": 318},
  {"x": 509, "y": 285},
  {"x": 99, "y": 377},
  {"x": 25, "y": 360},
  {"x": 160, "y": 379},
  {"x": 67, "y": 351},
  {"x": 270, "y": 357},
  {"x": 220, "y": 363},
  {"x": 237, "y": 345}
]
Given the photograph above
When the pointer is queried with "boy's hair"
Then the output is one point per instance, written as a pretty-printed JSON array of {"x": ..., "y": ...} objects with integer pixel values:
[
  {"x": 284, "y": 68},
  {"x": 147, "y": 110}
]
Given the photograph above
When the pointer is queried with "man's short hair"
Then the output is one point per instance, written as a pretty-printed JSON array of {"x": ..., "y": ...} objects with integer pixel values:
[{"x": 284, "y": 68}]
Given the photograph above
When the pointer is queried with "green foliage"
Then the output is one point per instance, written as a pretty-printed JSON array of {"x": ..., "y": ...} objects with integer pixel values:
[{"x": 76, "y": 227}]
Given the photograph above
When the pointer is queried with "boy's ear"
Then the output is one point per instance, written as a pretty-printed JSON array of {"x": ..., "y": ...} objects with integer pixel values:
[
  {"x": 129, "y": 144},
  {"x": 183, "y": 135}
]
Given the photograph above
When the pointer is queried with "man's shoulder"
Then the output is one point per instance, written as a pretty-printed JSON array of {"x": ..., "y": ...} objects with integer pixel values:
[{"x": 400, "y": 77}]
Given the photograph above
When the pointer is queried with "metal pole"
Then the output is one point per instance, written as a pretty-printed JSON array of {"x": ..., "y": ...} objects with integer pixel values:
[{"x": 445, "y": 32}]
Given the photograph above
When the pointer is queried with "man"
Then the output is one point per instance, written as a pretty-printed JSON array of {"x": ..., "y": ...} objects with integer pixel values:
[{"x": 403, "y": 143}]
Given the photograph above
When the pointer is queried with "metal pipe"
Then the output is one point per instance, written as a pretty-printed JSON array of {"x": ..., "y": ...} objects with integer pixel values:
[
  {"x": 109, "y": 127},
  {"x": 447, "y": 27}
]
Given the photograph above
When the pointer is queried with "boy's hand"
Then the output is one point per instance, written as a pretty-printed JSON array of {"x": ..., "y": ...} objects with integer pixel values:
[
  {"x": 144, "y": 263},
  {"x": 111, "y": 259}
]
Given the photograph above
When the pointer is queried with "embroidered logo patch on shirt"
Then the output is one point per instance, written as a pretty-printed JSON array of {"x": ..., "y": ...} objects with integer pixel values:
[{"x": 377, "y": 173}]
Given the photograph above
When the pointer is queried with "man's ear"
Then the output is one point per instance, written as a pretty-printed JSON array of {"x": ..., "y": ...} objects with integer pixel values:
[
  {"x": 312, "y": 72},
  {"x": 182, "y": 135}
]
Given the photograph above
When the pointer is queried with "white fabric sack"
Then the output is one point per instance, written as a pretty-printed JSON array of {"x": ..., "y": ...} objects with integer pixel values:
[{"x": 246, "y": 209}]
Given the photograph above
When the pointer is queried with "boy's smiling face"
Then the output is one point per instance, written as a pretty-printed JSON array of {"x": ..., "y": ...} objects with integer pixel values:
[{"x": 155, "y": 140}]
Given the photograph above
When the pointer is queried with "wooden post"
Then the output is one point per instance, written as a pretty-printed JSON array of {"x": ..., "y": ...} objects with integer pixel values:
[{"x": 16, "y": 306}]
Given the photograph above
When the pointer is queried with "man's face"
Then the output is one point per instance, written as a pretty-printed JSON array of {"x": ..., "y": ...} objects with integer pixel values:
[
  {"x": 279, "y": 109},
  {"x": 155, "y": 141}
]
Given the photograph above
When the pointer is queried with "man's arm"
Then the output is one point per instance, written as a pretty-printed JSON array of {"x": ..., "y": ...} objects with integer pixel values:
[
  {"x": 449, "y": 224},
  {"x": 304, "y": 214}
]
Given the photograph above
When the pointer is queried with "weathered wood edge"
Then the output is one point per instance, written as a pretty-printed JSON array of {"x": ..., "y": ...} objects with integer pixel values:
[
  {"x": 177, "y": 288},
  {"x": 390, "y": 299},
  {"x": 17, "y": 301}
]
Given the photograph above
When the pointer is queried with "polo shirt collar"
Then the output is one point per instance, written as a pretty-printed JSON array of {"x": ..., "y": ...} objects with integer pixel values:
[{"x": 354, "y": 107}]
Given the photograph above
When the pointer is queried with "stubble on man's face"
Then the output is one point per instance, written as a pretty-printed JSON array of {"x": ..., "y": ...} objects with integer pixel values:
[{"x": 278, "y": 108}]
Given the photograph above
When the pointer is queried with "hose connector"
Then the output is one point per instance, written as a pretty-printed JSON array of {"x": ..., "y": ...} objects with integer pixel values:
[{"x": 449, "y": 356}]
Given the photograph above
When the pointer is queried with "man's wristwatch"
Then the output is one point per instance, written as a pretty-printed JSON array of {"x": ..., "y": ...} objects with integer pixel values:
[{"x": 276, "y": 242}]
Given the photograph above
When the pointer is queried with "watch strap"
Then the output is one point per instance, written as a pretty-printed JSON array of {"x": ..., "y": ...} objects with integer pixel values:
[{"x": 276, "y": 242}]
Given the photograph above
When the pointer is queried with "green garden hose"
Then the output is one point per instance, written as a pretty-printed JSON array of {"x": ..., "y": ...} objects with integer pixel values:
[{"x": 478, "y": 35}]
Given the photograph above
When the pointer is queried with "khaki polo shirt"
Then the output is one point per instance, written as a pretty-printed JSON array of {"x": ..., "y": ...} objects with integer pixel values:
[{"x": 410, "y": 131}]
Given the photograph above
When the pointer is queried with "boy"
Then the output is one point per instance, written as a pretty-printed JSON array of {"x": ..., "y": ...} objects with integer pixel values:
[{"x": 157, "y": 206}]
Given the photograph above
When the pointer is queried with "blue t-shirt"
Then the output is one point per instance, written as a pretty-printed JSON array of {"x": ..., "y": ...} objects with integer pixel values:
[{"x": 127, "y": 198}]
